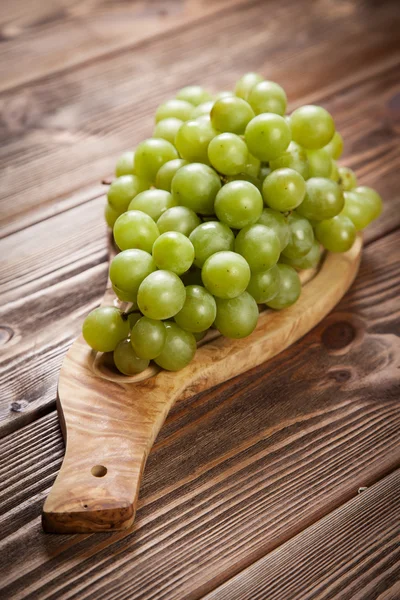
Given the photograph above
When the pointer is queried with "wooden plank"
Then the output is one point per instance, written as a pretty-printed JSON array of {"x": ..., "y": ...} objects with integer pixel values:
[
  {"x": 351, "y": 554},
  {"x": 71, "y": 127},
  {"x": 236, "y": 471}
]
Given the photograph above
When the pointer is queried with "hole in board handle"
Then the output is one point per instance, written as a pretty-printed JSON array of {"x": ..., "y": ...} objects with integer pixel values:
[{"x": 98, "y": 471}]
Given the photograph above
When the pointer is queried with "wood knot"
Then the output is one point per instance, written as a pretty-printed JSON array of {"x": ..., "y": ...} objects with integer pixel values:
[
  {"x": 340, "y": 375},
  {"x": 338, "y": 335},
  {"x": 6, "y": 333}
]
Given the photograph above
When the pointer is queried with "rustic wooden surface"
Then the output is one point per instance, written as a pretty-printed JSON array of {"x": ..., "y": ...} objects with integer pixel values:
[{"x": 241, "y": 485}]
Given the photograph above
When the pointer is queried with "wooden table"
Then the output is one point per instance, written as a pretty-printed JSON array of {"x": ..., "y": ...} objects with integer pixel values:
[{"x": 281, "y": 483}]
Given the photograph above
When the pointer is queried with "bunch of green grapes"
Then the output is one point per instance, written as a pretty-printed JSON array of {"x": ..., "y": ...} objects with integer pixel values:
[{"x": 216, "y": 214}]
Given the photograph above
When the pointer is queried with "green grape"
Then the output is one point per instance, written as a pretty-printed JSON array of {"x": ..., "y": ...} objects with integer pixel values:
[
  {"x": 124, "y": 164},
  {"x": 123, "y": 295},
  {"x": 135, "y": 229},
  {"x": 161, "y": 295},
  {"x": 194, "y": 94},
  {"x": 150, "y": 155},
  {"x": 236, "y": 317},
  {"x": 283, "y": 189},
  {"x": 323, "y": 200},
  {"x": 268, "y": 97},
  {"x": 223, "y": 94},
  {"x": 209, "y": 238},
  {"x": 278, "y": 223},
  {"x": 228, "y": 154},
  {"x": 167, "y": 129},
  {"x": 127, "y": 361},
  {"x": 195, "y": 186},
  {"x": 175, "y": 108},
  {"x": 319, "y": 163},
  {"x": 301, "y": 237},
  {"x": 179, "y": 348},
  {"x": 152, "y": 202},
  {"x": 289, "y": 288},
  {"x": 370, "y": 198},
  {"x": 265, "y": 170},
  {"x": 295, "y": 158},
  {"x": 337, "y": 234},
  {"x": 334, "y": 174},
  {"x": 178, "y": 218},
  {"x": 133, "y": 318},
  {"x": 203, "y": 109},
  {"x": 245, "y": 177},
  {"x": 264, "y": 286},
  {"x": 238, "y": 203},
  {"x": 110, "y": 215},
  {"x": 231, "y": 114},
  {"x": 198, "y": 312},
  {"x": 199, "y": 335},
  {"x": 123, "y": 189},
  {"x": 259, "y": 245},
  {"x": 129, "y": 268},
  {"x": 225, "y": 274},
  {"x": 193, "y": 138},
  {"x": 357, "y": 210},
  {"x": 148, "y": 337},
  {"x": 104, "y": 328},
  {"x": 347, "y": 179},
  {"x": 246, "y": 83},
  {"x": 309, "y": 261},
  {"x": 312, "y": 127},
  {"x": 253, "y": 165},
  {"x": 267, "y": 136},
  {"x": 174, "y": 252},
  {"x": 166, "y": 173},
  {"x": 335, "y": 146}
]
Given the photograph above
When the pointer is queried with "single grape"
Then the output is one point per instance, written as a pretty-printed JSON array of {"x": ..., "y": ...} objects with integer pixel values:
[
  {"x": 268, "y": 97},
  {"x": 264, "y": 286},
  {"x": 253, "y": 165},
  {"x": 335, "y": 146},
  {"x": 347, "y": 179},
  {"x": 301, "y": 237},
  {"x": 195, "y": 186},
  {"x": 319, "y": 162},
  {"x": 152, "y": 202},
  {"x": 323, "y": 200},
  {"x": 236, "y": 317},
  {"x": 124, "y": 164},
  {"x": 178, "y": 218},
  {"x": 357, "y": 210},
  {"x": 133, "y": 318},
  {"x": 238, "y": 203},
  {"x": 174, "y": 252},
  {"x": 228, "y": 154},
  {"x": 209, "y": 238},
  {"x": 259, "y": 245},
  {"x": 309, "y": 261},
  {"x": 278, "y": 223},
  {"x": 283, "y": 189},
  {"x": 334, "y": 174},
  {"x": 337, "y": 234},
  {"x": 150, "y": 155},
  {"x": 148, "y": 337},
  {"x": 110, "y": 215},
  {"x": 123, "y": 295},
  {"x": 231, "y": 114},
  {"x": 223, "y": 94},
  {"x": 267, "y": 136},
  {"x": 202, "y": 109},
  {"x": 135, "y": 229},
  {"x": 198, "y": 312},
  {"x": 295, "y": 157},
  {"x": 289, "y": 288},
  {"x": 167, "y": 129},
  {"x": 179, "y": 348},
  {"x": 104, "y": 328},
  {"x": 312, "y": 127},
  {"x": 129, "y": 268},
  {"x": 371, "y": 198},
  {"x": 166, "y": 173},
  {"x": 194, "y": 94},
  {"x": 175, "y": 108},
  {"x": 226, "y": 274},
  {"x": 193, "y": 138},
  {"x": 246, "y": 83},
  {"x": 123, "y": 189},
  {"x": 161, "y": 295},
  {"x": 127, "y": 361}
]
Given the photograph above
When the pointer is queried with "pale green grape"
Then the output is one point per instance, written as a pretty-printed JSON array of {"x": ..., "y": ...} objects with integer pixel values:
[
  {"x": 337, "y": 234},
  {"x": 174, "y": 252},
  {"x": 323, "y": 200},
  {"x": 209, "y": 238},
  {"x": 295, "y": 158},
  {"x": 135, "y": 229},
  {"x": 129, "y": 268},
  {"x": 167, "y": 129},
  {"x": 127, "y": 361},
  {"x": 124, "y": 164},
  {"x": 267, "y": 136},
  {"x": 278, "y": 223},
  {"x": 194, "y": 94},
  {"x": 253, "y": 165},
  {"x": 309, "y": 261},
  {"x": 123, "y": 189},
  {"x": 268, "y": 97},
  {"x": 161, "y": 295},
  {"x": 150, "y": 155},
  {"x": 236, "y": 317},
  {"x": 264, "y": 286},
  {"x": 104, "y": 328},
  {"x": 335, "y": 146},
  {"x": 225, "y": 274},
  {"x": 175, "y": 108},
  {"x": 371, "y": 199},
  {"x": 228, "y": 154},
  {"x": 178, "y": 218},
  {"x": 123, "y": 295},
  {"x": 319, "y": 162},
  {"x": 166, "y": 173},
  {"x": 312, "y": 127},
  {"x": 301, "y": 237},
  {"x": 133, "y": 318},
  {"x": 195, "y": 186},
  {"x": 110, "y": 215},
  {"x": 246, "y": 83},
  {"x": 193, "y": 138},
  {"x": 259, "y": 245},
  {"x": 179, "y": 348},
  {"x": 283, "y": 189},
  {"x": 334, "y": 174},
  {"x": 238, "y": 203},
  {"x": 202, "y": 109},
  {"x": 153, "y": 202},
  {"x": 357, "y": 210},
  {"x": 289, "y": 288},
  {"x": 231, "y": 114},
  {"x": 347, "y": 179},
  {"x": 198, "y": 312},
  {"x": 148, "y": 337},
  {"x": 223, "y": 94}
]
